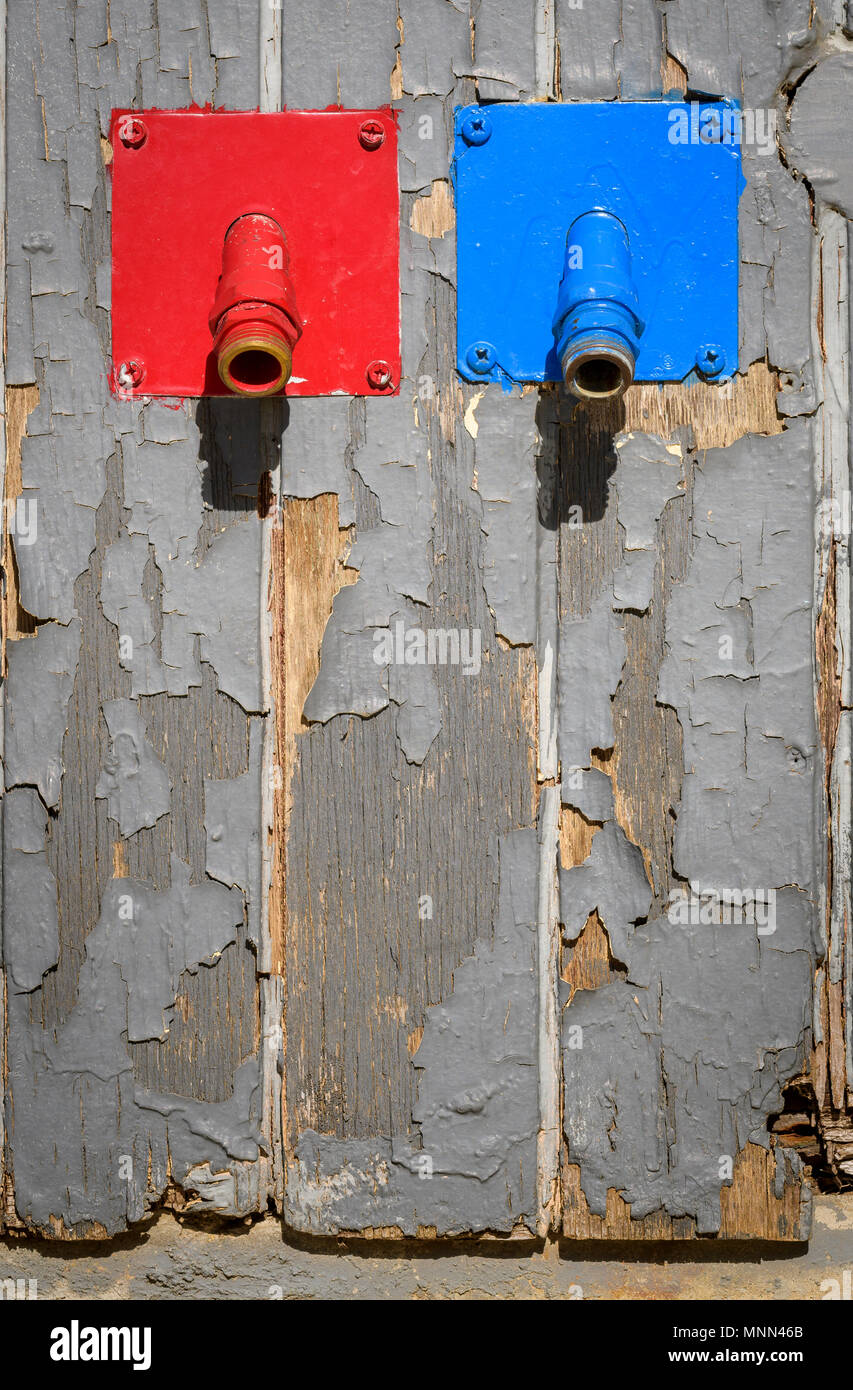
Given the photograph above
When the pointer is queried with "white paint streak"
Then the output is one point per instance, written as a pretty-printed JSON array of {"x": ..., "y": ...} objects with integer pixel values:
[
  {"x": 547, "y": 692},
  {"x": 3, "y": 1020},
  {"x": 831, "y": 355},
  {"x": 547, "y": 624},
  {"x": 271, "y": 56},
  {"x": 548, "y": 963},
  {"x": 271, "y": 96},
  {"x": 544, "y": 29}
]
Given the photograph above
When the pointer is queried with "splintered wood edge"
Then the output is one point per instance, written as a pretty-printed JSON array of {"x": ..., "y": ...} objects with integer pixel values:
[
  {"x": 717, "y": 415},
  {"x": 749, "y": 1206}
]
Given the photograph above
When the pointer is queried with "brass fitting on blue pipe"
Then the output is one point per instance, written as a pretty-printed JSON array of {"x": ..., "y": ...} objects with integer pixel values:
[{"x": 597, "y": 325}]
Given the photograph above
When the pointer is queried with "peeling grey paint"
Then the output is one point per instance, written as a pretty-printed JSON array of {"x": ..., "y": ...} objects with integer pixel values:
[
  {"x": 676, "y": 1068},
  {"x": 504, "y": 457},
  {"x": 233, "y": 830},
  {"x": 613, "y": 881},
  {"x": 812, "y": 145},
  {"x": 134, "y": 504},
  {"x": 227, "y": 591},
  {"x": 748, "y": 51},
  {"x": 123, "y": 603},
  {"x": 313, "y": 461},
  {"x": 592, "y": 654},
  {"x": 231, "y": 1191},
  {"x": 412, "y": 690},
  {"x": 393, "y": 558},
  {"x": 609, "y": 50},
  {"x": 589, "y": 791},
  {"x": 681, "y": 1063},
  {"x": 739, "y": 668},
  {"x": 134, "y": 781},
  {"x": 63, "y": 479},
  {"x": 422, "y": 160},
  {"x": 149, "y": 938},
  {"x": 337, "y": 55},
  {"x": 430, "y": 68},
  {"x": 228, "y": 1130},
  {"x": 41, "y": 673},
  {"x": 649, "y": 473},
  {"x": 504, "y": 59},
  {"x": 31, "y": 938},
  {"x": 129, "y": 981}
]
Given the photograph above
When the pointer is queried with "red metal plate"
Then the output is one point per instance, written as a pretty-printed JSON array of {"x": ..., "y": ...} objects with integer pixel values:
[{"x": 175, "y": 196}]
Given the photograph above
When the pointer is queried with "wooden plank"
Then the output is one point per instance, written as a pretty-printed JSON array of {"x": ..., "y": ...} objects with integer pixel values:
[
  {"x": 645, "y": 762},
  {"x": 832, "y": 1065},
  {"x": 132, "y": 1021},
  {"x": 393, "y": 847}
]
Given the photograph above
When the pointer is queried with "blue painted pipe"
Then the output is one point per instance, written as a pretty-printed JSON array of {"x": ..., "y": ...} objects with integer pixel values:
[{"x": 597, "y": 325}]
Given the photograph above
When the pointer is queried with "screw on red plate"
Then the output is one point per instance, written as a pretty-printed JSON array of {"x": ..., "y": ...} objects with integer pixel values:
[
  {"x": 132, "y": 132},
  {"x": 130, "y": 374},
  {"x": 371, "y": 134},
  {"x": 379, "y": 375}
]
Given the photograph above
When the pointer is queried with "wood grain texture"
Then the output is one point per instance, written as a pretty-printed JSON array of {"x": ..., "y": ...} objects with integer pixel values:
[
  {"x": 829, "y": 1083},
  {"x": 204, "y": 734},
  {"x": 715, "y": 415},
  {"x": 370, "y": 835},
  {"x": 68, "y": 70}
]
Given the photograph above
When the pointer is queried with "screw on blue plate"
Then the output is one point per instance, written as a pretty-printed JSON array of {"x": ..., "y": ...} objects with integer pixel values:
[
  {"x": 481, "y": 357},
  {"x": 711, "y": 360},
  {"x": 597, "y": 242},
  {"x": 476, "y": 128}
]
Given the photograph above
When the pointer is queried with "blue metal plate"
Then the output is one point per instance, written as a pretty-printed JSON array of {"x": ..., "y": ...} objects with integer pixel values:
[{"x": 671, "y": 172}]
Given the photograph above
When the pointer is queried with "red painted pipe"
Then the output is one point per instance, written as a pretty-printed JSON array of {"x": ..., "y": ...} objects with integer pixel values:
[{"x": 254, "y": 319}]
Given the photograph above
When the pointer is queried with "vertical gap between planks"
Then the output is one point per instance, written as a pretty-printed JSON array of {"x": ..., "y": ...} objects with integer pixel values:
[
  {"x": 270, "y": 964},
  {"x": 845, "y": 743},
  {"x": 4, "y": 1195},
  {"x": 545, "y": 48},
  {"x": 549, "y": 1216},
  {"x": 548, "y": 965},
  {"x": 831, "y": 352}
]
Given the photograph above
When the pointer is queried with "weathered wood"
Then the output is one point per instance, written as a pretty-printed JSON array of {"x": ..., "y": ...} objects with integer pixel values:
[
  {"x": 832, "y": 1059},
  {"x": 400, "y": 955},
  {"x": 135, "y": 1048}
]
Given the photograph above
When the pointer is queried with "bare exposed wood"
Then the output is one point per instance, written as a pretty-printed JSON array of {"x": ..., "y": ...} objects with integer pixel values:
[
  {"x": 832, "y": 1065},
  {"x": 750, "y": 1209},
  {"x": 434, "y": 214},
  {"x": 717, "y": 415},
  {"x": 307, "y": 569},
  {"x": 20, "y": 402}
]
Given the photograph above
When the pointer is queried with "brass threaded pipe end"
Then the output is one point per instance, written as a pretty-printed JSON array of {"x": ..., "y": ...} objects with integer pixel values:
[
  {"x": 598, "y": 372},
  {"x": 254, "y": 362}
]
